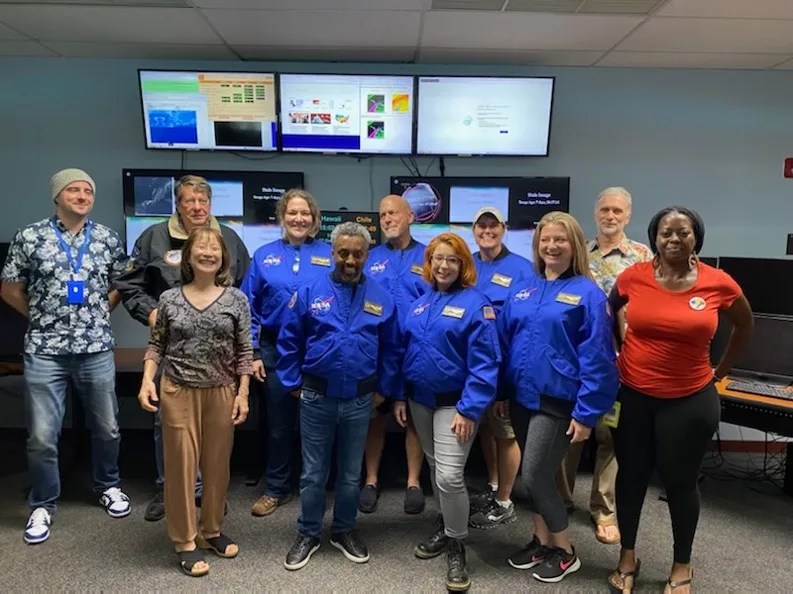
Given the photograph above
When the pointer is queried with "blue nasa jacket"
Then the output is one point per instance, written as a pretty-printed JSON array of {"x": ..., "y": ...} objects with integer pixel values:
[
  {"x": 345, "y": 337},
  {"x": 452, "y": 354},
  {"x": 560, "y": 345},
  {"x": 273, "y": 278},
  {"x": 497, "y": 277},
  {"x": 399, "y": 271}
]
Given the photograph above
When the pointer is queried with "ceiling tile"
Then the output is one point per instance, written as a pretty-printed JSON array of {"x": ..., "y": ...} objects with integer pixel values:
[
  {"x": 314, "y": 4},
  {"x": 317, "y": 28},
  {"x": 522, "y": 58},
  {"x": 24, "y": 48},
  {"x": 514, "y": 31},
  {"x": 688, "y": 60},
  {"x": 8, "y": 33},
  {"x": 712, "y": 35},
  {"x": 72, "y": 49},
  {"x": 746, "y": 9},
  {"x": 109, "y": 24},
  {"x": 179, "y": 3},
  {"x": 327, "y": 54}
]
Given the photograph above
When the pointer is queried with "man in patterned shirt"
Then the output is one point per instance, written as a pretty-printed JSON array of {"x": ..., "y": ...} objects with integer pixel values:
[
  {"x": 610, "y": 253},
  {"x": 59, "y": 274}
]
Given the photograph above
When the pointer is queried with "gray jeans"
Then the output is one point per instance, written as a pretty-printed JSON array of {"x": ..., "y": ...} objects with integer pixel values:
[{"x": 446, "y": 458}]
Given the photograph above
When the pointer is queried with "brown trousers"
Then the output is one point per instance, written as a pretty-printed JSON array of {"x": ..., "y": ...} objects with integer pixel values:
[
  {"x": 197, "y": 433},
  {"x": 601, "y": 500}
]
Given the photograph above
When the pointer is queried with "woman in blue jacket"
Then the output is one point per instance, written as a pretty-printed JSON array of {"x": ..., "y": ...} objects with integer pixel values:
[
  {"x": 561, "y": 362},
  {"x": 452, "y": 359},
  {"x": 276, "y": 271}
]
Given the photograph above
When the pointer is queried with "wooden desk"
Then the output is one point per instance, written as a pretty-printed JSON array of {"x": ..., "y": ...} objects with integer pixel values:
[{"x": 760, "y": 412}]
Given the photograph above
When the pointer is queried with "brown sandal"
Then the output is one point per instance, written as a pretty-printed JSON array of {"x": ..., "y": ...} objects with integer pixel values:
[
  {"x": 622, "y": 575},
  {"x": 672, "y": 585}
]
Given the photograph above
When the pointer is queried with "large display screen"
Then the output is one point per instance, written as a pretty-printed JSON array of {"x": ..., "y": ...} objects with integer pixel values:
[
  {"x": 243, "y": 200},
  {"x": 484, "y": 115},
  {"x": 233, "y": 111},
  {"x": 332, "y": 113},
  {"x": 441, "y": 204}
]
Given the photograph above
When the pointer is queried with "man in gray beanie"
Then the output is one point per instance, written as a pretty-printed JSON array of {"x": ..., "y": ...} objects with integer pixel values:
[{"x": 59, "y": 274}]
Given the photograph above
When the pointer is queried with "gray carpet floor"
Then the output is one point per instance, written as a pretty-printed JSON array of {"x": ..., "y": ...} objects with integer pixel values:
[{"x": 743, "y": 545}]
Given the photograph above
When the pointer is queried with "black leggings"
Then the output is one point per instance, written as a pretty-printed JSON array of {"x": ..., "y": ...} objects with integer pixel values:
[{"x": 671, "y": 435}]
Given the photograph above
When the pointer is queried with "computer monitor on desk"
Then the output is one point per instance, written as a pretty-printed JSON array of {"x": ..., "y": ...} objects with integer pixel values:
[
  {"x": 770, "y": 350},
  {"x": 12, "y": 326},
  {"x": 766, "y": 282}
]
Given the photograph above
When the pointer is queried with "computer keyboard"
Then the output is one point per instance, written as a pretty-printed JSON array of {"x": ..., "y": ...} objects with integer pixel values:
[{"x": 761, "y": 388}]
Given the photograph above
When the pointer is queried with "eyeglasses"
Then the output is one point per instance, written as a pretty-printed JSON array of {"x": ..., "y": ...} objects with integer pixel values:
[{"x": 450, "y": 260}]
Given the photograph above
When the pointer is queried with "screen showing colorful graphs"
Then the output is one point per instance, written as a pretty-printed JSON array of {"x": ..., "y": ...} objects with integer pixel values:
[{"x": 347, "y": 113}]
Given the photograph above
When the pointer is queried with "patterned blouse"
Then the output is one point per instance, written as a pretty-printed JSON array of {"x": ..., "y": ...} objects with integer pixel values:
[
  {"x": 36, "y": 258},
  {"x": 607, "y": 267},
  {"x": 205, "y": 348}
]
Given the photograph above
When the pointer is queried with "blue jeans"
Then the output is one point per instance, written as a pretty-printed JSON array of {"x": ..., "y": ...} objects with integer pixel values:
[
  {"x": 94, "y": 379},
  {"x": 281, "y": 409},
  {"x": 324, "y": 420}
]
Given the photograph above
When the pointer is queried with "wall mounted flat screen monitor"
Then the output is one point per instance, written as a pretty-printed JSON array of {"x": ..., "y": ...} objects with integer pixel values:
[
  {"x": 243, "y": 200},
  {"x": 766, "y": 282},
  {"x": 442, "y": 204},
  {"x": 461, "y": 115},
  {"x": 330, "y": 113},
  {"x": 234, "y": 111}
]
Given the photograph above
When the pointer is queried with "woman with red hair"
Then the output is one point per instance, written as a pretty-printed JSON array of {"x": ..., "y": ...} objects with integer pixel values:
[{"x": 451, "y": 370}]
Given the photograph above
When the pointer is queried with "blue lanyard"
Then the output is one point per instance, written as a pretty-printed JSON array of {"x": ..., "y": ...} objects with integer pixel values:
[{"x": 75, "y": 264}]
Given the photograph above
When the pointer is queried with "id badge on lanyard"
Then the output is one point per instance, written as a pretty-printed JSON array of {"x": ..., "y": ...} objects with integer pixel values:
[{"x": 75, "y": 289}]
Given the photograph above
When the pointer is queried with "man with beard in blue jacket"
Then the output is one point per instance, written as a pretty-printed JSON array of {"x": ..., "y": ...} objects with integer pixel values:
[{"x": 339, "y": 346}]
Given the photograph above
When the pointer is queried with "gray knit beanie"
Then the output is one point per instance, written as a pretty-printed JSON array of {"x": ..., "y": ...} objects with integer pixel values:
[{"x": 67, "y": 176}]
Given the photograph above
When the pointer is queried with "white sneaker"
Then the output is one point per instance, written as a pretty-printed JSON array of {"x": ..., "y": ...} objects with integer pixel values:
[
  {"x": 115, "y": 502},
  {"x": 38, "y": 527}
]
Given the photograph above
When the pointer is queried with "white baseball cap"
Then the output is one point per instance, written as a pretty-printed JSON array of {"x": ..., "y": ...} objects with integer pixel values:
[{"x": 491, "y": 210}]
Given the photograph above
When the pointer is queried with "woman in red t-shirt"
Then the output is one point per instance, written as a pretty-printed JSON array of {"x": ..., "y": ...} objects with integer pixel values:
[{"x": 669, "y": 407}]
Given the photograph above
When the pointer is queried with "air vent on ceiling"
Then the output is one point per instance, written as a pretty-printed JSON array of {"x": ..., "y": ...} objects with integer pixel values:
[
  {"x": 543, "y": 5},
  {"x": 584, "y": 6},
  {"x": 491, "y": 5},
  {"x": 619, "y": 6}
]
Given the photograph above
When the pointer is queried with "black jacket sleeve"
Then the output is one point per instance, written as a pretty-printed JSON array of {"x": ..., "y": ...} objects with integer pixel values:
[{"x": 132, "y": 283}]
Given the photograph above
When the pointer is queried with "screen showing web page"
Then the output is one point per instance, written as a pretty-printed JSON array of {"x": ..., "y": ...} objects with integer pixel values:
[
  {"x": 209, "y": 110},
  {"x": 347, "y": 113},
  {"x": 484, "y": 116}
]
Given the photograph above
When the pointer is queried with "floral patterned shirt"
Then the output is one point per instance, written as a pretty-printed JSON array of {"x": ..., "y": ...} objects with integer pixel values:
[
  {"x": 607, "y": 267},
  {"x": 205, "y": 348},
  {"x": 36, "y": 258}
]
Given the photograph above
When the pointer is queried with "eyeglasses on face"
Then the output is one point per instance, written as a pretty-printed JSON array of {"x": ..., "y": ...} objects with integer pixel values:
[{"x": 450, "y": 260}]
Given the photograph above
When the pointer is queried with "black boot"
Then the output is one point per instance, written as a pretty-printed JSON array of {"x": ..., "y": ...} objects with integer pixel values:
[
  {"x": 435, "y": 544},
  {"x": 457, "y": 577}
]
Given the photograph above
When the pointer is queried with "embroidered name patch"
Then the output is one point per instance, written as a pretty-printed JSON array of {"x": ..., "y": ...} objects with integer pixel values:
[
  {"x": 373, "y": 308},
  {"x": 568, "y": 298},
  {"x": 416, "y": 269},
  {"x": 501, "y": 280},
  {"x": 453, "y": 312},
  {"x": 320, "y": 261}
]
